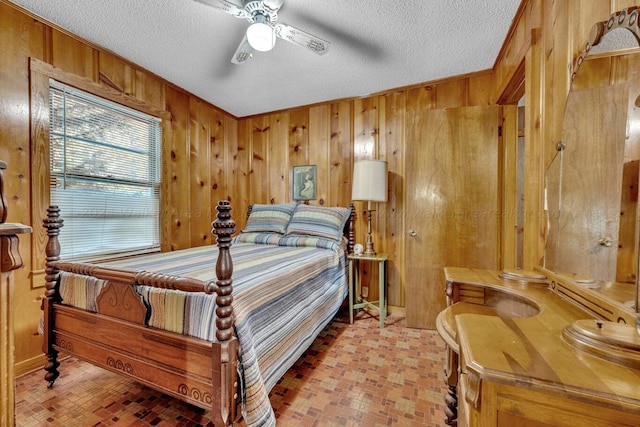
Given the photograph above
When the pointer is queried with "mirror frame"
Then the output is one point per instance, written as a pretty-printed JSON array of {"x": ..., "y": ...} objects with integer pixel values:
[
  {"x": 624, "y": 19},
  {"x": 627, "y": 19}
]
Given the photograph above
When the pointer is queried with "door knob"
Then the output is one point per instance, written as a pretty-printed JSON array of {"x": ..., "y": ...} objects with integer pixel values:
[
  {"x": 412, "y": 233},
  {"x": 606, "y": 242}
]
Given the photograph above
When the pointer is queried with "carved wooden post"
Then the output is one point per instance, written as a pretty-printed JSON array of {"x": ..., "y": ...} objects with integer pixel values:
[
  {"x": 226, "y": 371},
  {"x": 52, "y": 223},
  {"x": 223, "y": 228},
  {"x": 451, "y": 366},
  {"x": 9, "y": 260},
  {"x": 451, "y": 380}
]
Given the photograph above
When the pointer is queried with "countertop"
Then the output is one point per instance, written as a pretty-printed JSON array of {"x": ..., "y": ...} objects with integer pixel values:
[{"x": 530, "y": 351}]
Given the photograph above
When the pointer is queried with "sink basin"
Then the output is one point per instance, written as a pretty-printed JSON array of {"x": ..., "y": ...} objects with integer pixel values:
[
  {"x": 525, "y": 277},
  {"x": 507, "y": 304},
  {"x": 615, "y": 342}
]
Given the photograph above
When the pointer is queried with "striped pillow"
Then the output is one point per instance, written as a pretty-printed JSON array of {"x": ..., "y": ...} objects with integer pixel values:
[
  {"x": 318, "y": 221},
  {"x": 269, "y": 218},
  {"x": 258, "y": 238}
]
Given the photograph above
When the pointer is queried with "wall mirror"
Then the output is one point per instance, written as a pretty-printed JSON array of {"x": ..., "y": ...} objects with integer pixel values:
[{"x": 592, "y": 181}]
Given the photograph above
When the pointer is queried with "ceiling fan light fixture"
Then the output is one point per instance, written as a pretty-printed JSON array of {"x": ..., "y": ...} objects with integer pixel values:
[{"x": 261, "y": 36}]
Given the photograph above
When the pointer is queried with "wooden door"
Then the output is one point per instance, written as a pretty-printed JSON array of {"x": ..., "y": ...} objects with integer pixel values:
[
  {"x": 587, "y": 234},
  {"x": 452, "y": 204}
]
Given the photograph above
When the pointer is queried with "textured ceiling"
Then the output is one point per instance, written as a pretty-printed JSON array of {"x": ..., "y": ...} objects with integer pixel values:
[{"x": 375, "y": 45}]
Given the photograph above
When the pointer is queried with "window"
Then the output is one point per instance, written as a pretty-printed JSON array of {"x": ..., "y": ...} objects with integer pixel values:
[{"x": 105, "y": 174}]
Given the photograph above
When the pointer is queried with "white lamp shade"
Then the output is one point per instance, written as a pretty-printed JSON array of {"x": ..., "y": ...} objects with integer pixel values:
[
  {"x": 261, "y": 36},
  {"x": 370, "y": 181}
]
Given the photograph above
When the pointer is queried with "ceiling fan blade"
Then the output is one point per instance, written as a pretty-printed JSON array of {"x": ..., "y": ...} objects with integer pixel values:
[
  {"x": 273, "y": 4},
  {"x": 227, "y": 6},
  {"x": 302, "y": 38},
  {"x": 243, "y": 52}
]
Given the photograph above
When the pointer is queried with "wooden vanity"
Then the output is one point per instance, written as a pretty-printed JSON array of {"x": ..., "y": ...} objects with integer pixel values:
[
  {"x": 558, "y": 346},
  {"x": 509, "y": 365}
]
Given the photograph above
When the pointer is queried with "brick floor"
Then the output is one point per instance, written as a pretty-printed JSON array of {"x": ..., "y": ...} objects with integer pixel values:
[{"x": 352, "y": 375}]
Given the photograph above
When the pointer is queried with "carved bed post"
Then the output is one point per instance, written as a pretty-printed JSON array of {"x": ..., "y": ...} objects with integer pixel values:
[
  {"x": 52, "y": 223},
  {"x": 223, "y": 229},
  {"x": 10, "y": 260},
  {"x": 226, "y": 371}
]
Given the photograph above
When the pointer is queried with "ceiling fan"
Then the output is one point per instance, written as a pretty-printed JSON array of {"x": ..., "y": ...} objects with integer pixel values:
[{"x": 261, "y": 34}]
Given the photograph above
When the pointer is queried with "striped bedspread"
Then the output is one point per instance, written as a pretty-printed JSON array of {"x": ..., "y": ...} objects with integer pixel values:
[{"x": 284, "y": 293}]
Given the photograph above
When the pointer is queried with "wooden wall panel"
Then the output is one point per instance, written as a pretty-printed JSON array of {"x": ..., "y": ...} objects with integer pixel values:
[
  {"x": 178, "y": 195},
  {"x": 420, "y": 99},
  {"x": 279, "y": 171},
  {"x": 200, "y": 177},
  {"x": 259, "y": 191},
  {"x": 625, "y": 68},
  {"x": 622, "y": 4},
  {"x": 230, "y": 127},
  {"x": 39, "y": 188},
  {"x": 617, "y": 5},
  {"x": 21, "y": 37},
  {"x": 515, "y": 47},
  {"x": 533, "y": 173},
  {"x": 217, "y": 166},
  {"x": 74, "y": 56},
  {"x": 166, "y": 210},
  {"x": 299, "y": 137},
  {"x": 451, "y": 94},
  {"x": 392, "y": 148},
  {"x": 632, "y": 145},
  {"x": 582, "y": 15},
  {"x": 509, "y": 189},
  {"x": 365, "y": 146},
  {"x": 116, "y": 74},
  {"x": 149, "y": 89},
  {"x": 557, "y": 57},
  {"x": 121, "y": 76},
  {"x": 365, "y": 128},
  {"x": 365, "y": 131},
  {"x": 480, "y": 90},
  {"x": 241, "y": 166},
  {"x": 340, "y": 152},
  {"x": 319, "y": 151}
]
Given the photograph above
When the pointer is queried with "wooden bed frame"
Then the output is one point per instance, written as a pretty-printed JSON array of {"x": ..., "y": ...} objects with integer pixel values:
[{"x": 200, "y": 372}]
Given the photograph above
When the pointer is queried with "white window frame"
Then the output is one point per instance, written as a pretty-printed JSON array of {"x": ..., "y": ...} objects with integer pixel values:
[{"x": 107, "y": 213}]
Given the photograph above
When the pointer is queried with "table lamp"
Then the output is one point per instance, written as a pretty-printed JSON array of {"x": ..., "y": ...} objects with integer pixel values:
[{"x": 370, "y": 185}]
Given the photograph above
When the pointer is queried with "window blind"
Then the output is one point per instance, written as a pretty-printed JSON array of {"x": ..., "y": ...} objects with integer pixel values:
[{"x": 105, "y": 174}]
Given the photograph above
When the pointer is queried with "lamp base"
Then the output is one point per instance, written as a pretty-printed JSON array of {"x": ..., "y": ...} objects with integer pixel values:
[{"x": 368, "y": 248}]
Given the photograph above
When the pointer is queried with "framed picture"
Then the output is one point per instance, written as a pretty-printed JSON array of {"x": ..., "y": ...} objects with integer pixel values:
[{"x": 304, "y": 182}]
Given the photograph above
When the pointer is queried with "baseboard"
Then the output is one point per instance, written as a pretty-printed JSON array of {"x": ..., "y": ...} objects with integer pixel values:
[
  {"x": 30, "y": 365},
  {"x": 400, "y": 311}
]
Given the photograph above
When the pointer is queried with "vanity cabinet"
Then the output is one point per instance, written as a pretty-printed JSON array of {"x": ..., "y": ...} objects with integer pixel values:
[
  {"x": 508, "y": 406},
  {"x": 508, "y": 364}
]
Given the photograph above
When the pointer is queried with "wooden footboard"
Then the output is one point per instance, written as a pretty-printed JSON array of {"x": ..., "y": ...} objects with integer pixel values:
[{"x": 197, "y": 371}]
